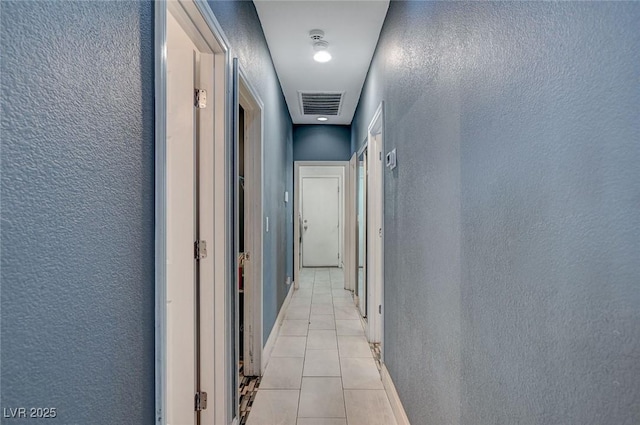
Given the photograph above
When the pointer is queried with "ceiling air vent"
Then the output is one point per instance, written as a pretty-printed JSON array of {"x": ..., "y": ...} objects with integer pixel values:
[{"x": 321, "y": 103}]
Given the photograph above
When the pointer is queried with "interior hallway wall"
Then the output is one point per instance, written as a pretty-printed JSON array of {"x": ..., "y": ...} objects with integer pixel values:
[
  {"x": 239, "y": 21},
  {"x": 511, "y": 222},
  {"x": 77, "y": 238},
  {"x": 321, "y": 142}
]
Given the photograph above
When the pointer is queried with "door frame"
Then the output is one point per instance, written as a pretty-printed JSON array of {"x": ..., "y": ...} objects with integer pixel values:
[
  {"x": 296, "y": 211},
  {"x": 364, "y": 149},
  {"x": 351, "y": 223},
  {"x": 253, "y": 107},
  {"x": 375, "y": 227},
  {"x": 199, "y": 23}
]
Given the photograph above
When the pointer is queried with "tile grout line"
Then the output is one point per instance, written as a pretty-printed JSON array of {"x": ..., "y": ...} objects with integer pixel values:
[
  {"x": 344, "y": 395},
  {"x": 304, "y": 358}
]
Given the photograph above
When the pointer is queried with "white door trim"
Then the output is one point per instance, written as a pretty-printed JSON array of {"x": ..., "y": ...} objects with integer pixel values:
[
  {"x": 350, "y": 254},
  {"x": 254, "y": 202},
  {"x": 198, "y": 21},
  {"x": 375, "y": 227},
  {"x": 296, "y": 210}
]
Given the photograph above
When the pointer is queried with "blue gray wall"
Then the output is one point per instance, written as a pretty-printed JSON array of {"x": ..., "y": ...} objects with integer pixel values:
[
  {"x": 321, "y": 142},
  {"x": 239, "y": 21},
  {"x": 512, "y": 225},
  {"x": 78, "y": 210}
]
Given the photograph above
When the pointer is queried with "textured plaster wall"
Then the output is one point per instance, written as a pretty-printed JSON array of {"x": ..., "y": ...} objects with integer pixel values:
[
  {"x": 239, "y": 21},
  {"x": 321, "y": 142},
  {"x": 512, "y": 225},
  {"x": 77, "y": 271}
]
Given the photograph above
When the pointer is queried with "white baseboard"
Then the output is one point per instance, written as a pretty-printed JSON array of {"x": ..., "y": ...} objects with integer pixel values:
[
  {"x": 273, "y": 336},
  {"x": 394, "y": 398}
]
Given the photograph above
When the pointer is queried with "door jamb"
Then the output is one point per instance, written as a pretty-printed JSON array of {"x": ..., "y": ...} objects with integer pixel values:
[
  {"x": 250, "y": 101},
  {"x": 351, "y": 254},
  {"x": 357, "y": 295},
  {"x": 375, "y": 232},
  {"x": 202, "y": 21}
]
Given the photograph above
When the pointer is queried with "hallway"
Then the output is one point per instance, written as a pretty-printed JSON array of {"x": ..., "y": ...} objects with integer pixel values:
[
  {"x": 321, "y": 371},
  {"x": 488, "y": 156}
]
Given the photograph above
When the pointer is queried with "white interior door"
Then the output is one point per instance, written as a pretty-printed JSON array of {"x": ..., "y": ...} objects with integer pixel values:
[
  {"x": 321, "y": 221},
  {"x": 192, "y": 294},
  {"x": 181, "y": 226}
]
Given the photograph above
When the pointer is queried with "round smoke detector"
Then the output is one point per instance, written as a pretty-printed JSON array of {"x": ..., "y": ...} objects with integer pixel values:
[{"x": 316, "y": 35}]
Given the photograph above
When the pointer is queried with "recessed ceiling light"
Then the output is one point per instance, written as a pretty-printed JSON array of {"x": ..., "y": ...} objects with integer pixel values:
[{"x": 323, "y": 119}]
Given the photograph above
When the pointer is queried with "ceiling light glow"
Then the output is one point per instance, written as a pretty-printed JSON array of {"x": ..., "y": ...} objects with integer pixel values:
[
  {"x": 322, "y": 56},
  {"x": 320, "y": 46},
  {"x": 322, "y": 118}
]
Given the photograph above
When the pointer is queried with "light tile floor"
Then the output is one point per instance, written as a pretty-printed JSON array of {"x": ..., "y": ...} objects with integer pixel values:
[{"x": 322, "y": 370}]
